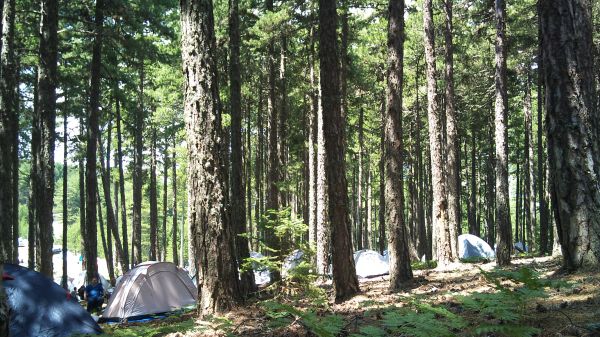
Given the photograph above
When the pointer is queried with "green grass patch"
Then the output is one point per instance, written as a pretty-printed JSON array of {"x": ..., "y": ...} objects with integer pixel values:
[{"x": 150, "y": 329}]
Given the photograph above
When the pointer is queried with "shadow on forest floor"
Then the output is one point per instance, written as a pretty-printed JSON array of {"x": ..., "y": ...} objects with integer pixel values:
[{"x": 562, "y": 311}]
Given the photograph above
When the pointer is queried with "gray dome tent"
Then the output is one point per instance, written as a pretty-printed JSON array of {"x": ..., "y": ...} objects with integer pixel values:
[
  {"x": 41, "y": 308},
  {"x": 150, "y": 288}
]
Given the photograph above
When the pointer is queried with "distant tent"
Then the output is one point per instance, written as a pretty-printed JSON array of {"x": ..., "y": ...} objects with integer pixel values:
[
  {"x": 473, "y": 247},
  {"x": 291, "y": 262},
  {"x": 262, "y": 275},
  {"x": 41, "y": 308},
  {"x": 370, "y": 263},
  {"x": 150, "y": 288}
]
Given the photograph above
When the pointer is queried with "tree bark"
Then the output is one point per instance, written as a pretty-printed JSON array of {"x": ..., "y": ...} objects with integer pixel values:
[
  {"x": 34, "y": 179},
  {"x": 503, "y": 226},
  {"x": 65, "y": 205},
  {"x": 323, "y": 227},
  {"x": 174, "y": 183},
  {"x": 441, "y": 226},
  {"x": 312, "y": 143},
  {"x": 400, "y": 269},
  {"x": 541, "y": 158},
  {"x": 91, "y": 185},
  {"x": 359, "y": 185},
  {"x": 528, "y": 188},
  {"x": 452, "y": 145},
  {"x": 473, "y": 225},
  {"x": 572, "y": 128},
  {"x": 381, "y": 243},
  {"x": 125, "y": 255},
  {"x": 237, "y": 187},
  {"x": 138, "y": 158},
  {"x": 153, "y": 195},
  {"x": 47, "y": 81},
  {"x": 272, "y": 203},
  {"x": 8, "y": 113},
  {"x": 345, "y": 282},
  {"x": 110, "y": 212},
  {"x": 218, "y": 289},
  {"x": 163, "y": 248}
]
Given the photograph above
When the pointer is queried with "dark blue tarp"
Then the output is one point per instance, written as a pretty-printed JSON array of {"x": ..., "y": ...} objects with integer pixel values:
[{"x": 40, "y": 307}]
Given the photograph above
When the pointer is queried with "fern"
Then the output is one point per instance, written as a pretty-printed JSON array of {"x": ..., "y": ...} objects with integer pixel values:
[
  {"x": 283, "y": 314},
  {"x": 509, "y": 330}
]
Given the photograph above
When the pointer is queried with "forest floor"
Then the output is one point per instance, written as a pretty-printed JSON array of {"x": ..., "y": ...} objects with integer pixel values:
[{"x": 563, "y": 310}]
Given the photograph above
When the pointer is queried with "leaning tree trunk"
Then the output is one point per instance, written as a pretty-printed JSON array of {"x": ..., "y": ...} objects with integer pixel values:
[
  {"x": 452, "y": 145},
  {"x": 91, "y": 182},
  {"x": 238, "y": 189},
  {"x": 111, "y": 218},
  {"x": 208, "y": 218},
  {"x": 572, "y": 128},
  {"x": 345, "y": 282},
  {"x": 503, "y": 227},
  {"x": 441, "y": 226},
  {"x": 400, "y": 269}
]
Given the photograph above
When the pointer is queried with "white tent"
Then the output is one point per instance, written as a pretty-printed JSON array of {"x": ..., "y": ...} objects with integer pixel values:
[
  {"x": 151, "y": 288},
  {"x": 471, "y": 246},
  {"x": 370, "y": 263}
]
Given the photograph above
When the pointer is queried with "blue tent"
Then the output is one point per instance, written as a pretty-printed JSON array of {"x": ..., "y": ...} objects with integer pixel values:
[
  {"x": 41, "y": 308},
  {"x": 471, "y": 246}
]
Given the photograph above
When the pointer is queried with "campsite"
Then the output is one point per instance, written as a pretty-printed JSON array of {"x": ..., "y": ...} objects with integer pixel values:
[{"x": 310, "y": 168}]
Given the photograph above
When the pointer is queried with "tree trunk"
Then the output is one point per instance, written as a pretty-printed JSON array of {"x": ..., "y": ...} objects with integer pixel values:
[
  {"x": 82, "y": 222},
  {"x": 441, "y": 226},
  {"x": 528, "y": 188},
  {"x": 91, "y": 250},
  {"x": 282, "y": 128},
  {"x": 174, "y": 183},
  {"x": 381, "y": 228},
  {"x": 8, "y": 113},
  {"x": 34, "y": 180},
  {"x": 153, "y": 195},
  {"x": 473, "y": 195},
  {"x": 109, "y": 228},
  {"x": 125, "y": 255},
  {"x": 210, "y": 226},
  {"x": 109, "y": 264},
  {"x": 163, "y": 248},
  {"x": 65, "y": 205},
  {"x": 490, "y": 194},
  {"x": 238, "y": 189},
  {"x": 312, "y": 144},
  {"x": 47, "y": 81},
  {"x": 273, "y": 154},
  {"x": 541, "y": 159},
  {"x": 572, "y": 128},
  {"x": 400, "y": 269},
  {"x": 259, "y": 181},
  {"x": 138, "y": 158},
  {"x": 345, "y": 282},
  {"x": 359, "y": 186},
  {"x": 452, "y": 145},
  {"x": 504, "y": 232},
  {"x": 369, "y": 230},
  {"x": 323, "y": 227},
  {"x": 110, "y": 212}
]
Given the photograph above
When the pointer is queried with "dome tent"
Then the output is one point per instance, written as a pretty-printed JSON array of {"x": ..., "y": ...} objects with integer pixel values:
[
  {"x": 150, "y": 288},
  {"x": 41, "y": 308},
  {"x": 473, "y": 247}
]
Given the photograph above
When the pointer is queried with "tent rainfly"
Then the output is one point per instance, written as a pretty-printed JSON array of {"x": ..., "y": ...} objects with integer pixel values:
[
  {"x": 41, "y": 308},
  {"x": 150, "y": 288}
]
